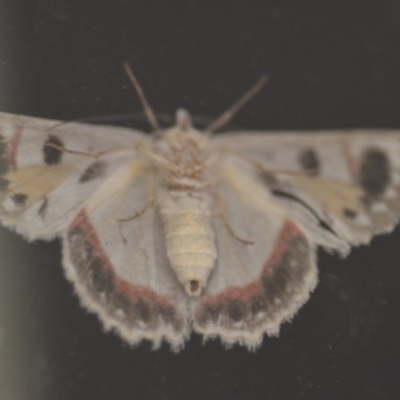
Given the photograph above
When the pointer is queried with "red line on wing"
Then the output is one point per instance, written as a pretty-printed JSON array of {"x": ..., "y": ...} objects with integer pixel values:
[
  {"x": 13, "y": 147},
  {"x": 134, "y": 292},
  {"x": 82, "y": 221},
  {"x": 289, "y": 231}
]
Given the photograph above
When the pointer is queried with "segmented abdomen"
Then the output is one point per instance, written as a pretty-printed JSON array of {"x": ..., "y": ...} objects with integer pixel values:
[{"x": 190, "y": 240}]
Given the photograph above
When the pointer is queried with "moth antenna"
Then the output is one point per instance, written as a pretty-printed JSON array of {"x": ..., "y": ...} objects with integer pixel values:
[
  {"x": 146, "y": 106},
  {"x": 226, "y": 116},
  {"x": 96, "y": 156},
  {"x": 226, "y": 223},
  {"x": 101, "y": 118},
  {"x": 117, "y": 117}
]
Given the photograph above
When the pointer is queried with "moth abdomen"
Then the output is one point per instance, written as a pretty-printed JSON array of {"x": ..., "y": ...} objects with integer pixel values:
[{"x": 190, "y": 239}]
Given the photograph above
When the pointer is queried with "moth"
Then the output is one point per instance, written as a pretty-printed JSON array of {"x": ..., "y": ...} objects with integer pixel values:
[{"x": 182, "y": 231}]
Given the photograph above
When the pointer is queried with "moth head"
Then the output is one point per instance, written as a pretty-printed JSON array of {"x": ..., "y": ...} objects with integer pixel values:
[
  {"x": 183, "y": 120},
  {"x": 183, "y": 136}
]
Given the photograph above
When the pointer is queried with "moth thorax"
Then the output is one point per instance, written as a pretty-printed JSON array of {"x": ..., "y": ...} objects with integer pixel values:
[
  {"x": 189, "y": 238},
  {"x": 183, "y": 158}
]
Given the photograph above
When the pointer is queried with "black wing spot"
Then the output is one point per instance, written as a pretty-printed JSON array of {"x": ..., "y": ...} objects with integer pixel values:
[
  {"x": 269, "y": 179},
  {"x": 236, "y": 310},
  {"x": 51, "y": 155},
  {"x": 309, "y": 161},
  {"x": 258, "y": 304},
  {"x": 143, "y": 310},
  {"x": 3, "y": 184},
  {"x": 166, "y": 313},
  {"x": 374, "y": 175},
  {"x": 209, "y": 314},
  {"x": 103, "y": 280},
  {"x": 121, "y": 301},
  {"x": 93, "y": 171},
  {"x": 19, "y": 199},
  {"x": 349, "y": 213}
]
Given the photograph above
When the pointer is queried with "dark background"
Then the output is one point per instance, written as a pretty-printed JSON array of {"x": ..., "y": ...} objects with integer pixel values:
[{"x": 332, "y": 65}]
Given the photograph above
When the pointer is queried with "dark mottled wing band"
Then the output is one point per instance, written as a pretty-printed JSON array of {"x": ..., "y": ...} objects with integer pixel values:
[
  {"x": 136, "y": 312},
  {"x": 244, "y": 313}
]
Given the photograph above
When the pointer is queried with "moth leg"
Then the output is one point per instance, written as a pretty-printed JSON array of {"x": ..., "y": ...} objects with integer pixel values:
[
  {"x": 221, "y": 215},
  {"x": 96, "y": 156},
  {"x": 138, "y": 214},
  {"x": 149, "y": 204}
]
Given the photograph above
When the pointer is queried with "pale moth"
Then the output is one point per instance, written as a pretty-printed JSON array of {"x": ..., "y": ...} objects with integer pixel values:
[{"x": 180, "y": 230}]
